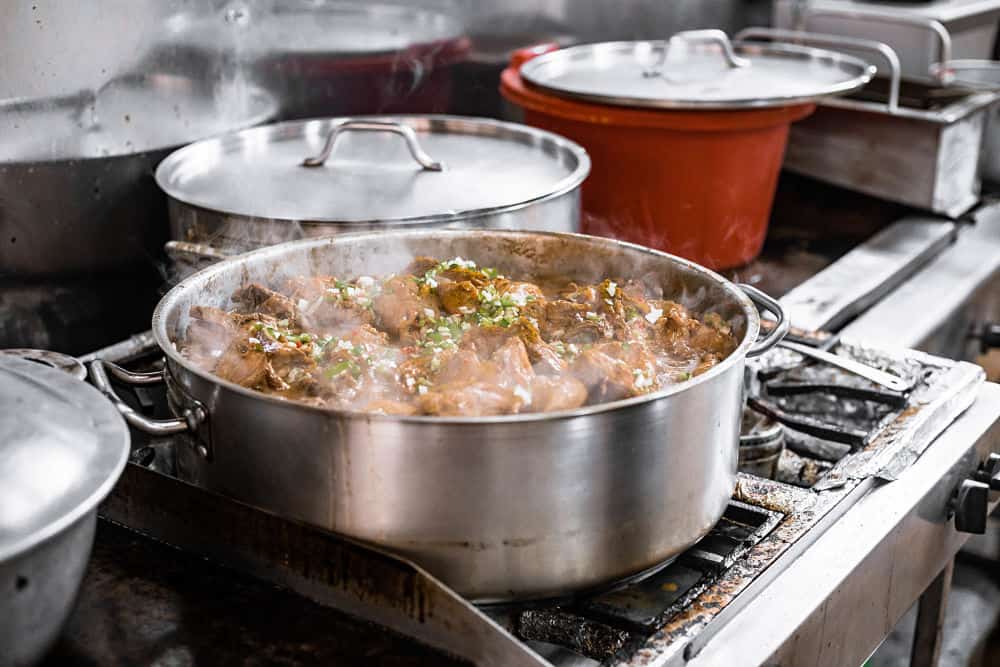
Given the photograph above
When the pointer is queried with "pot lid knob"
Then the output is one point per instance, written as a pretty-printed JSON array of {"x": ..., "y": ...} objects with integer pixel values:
[{"x": 687, "y": 37}]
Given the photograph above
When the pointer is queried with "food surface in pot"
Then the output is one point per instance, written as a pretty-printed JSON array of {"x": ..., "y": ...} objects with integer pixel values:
[{"x": 450, "y": 338}]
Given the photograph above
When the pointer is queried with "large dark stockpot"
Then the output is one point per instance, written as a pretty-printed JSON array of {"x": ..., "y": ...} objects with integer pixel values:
[
  {"x": 76, "y": 187},
  {"x": 500, "y": 508}
]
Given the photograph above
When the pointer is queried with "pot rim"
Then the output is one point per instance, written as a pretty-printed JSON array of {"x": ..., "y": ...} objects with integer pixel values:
[
  {"x": 472, "y": 124},
  {"x": 167, "y": 304}
]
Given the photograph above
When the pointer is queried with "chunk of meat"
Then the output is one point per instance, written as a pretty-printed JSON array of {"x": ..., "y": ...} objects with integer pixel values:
[
  {"x": 469, "y": 399},
  {"x": 295, "y": 367},
  {"x": 400, "y": 307},
  {"x": 515, "y": 368},
  {"x": 557, "y": 393},
  {"x": 243, "y": 363},
  {"x": 458, "y": 297},
  {"x": 612, "y": 371},
  {"x": 573, "y": 323},
  {"x": 466, "y": 366},
  {"x": 486, "y": 340},
  {"x": 259, "y": 299}
]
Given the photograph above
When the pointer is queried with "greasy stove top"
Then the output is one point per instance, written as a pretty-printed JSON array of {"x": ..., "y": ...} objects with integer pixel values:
[{"x": 767, "y": 523}]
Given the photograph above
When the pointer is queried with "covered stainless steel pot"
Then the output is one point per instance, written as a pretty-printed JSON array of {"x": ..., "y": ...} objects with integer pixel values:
[
  {"x": 302, "y": 179},
  {"x": 500, "y": 508},
  {"x": 76, "y": 192},
  {"x": 62, "y": 448}
]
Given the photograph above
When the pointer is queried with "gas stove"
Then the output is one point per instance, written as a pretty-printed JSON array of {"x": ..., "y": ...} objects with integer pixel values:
[
  {"x": 843, "y": 441},
  {"x": 851, "y": 508}
]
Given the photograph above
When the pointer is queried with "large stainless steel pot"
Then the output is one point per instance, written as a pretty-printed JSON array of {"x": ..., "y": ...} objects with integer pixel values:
[
  {"x": 76, "y": 192},
  {"x": 62, "y": 448},
  {"x": 500, "y": 508},
  {"x": 304, "y": 179}
]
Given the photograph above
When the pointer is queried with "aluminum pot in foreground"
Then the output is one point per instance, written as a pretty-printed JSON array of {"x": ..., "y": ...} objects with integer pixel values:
[{"x": 499, "y": 508}]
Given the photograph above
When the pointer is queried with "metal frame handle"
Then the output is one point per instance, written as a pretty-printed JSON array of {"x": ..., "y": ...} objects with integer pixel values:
[
  {"x": 933, "y": 25},
  {"x": 708, "y": 36},
  {"x": 882, "y": 49},
  {"x": 188, "y": 421},
  {"x": 764, "y": 302},
  {"x": 422, "y": 158}
]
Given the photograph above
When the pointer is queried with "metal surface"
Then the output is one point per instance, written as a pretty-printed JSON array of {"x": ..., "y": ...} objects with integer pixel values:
[
  {"x": 63, "y": 362},
  {"x": 925, "y": 158},
  {"x": 867, "y": 273},
  {"x": 347, "y": 471},
  {"x": 75, "y": 187},
  {"x": 922, "y": 33},
  {"x": 40, "y": 587},
  {"x": 972, "y": 74},
  {"x": 933, "y": 303},
  {"x": 866, "y": 46},
  {"x": 404, "y": 131},
  {"x": 887, "y": 380},
  {"x": 62, "y": 448},
  {"x": 899, "y": 533},
  {"x": 660, "y": 74},
  {"x": 188, "y": 421},
  {"x": 930, "y": 620},
  {"x": 257, "y": 193}
]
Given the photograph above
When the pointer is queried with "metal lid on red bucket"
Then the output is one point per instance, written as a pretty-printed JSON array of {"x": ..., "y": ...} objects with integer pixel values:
[{"x": 696, "y": 69}]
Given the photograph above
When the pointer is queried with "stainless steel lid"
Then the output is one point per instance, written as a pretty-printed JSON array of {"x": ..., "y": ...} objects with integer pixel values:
[
  {"x": 374, "y": 169},
  {"x": 127, "y": 115},
  {"x": 695, "y": 69},
  {"x": 330, "y": 29},
  {"x": 62, "y": 448}
]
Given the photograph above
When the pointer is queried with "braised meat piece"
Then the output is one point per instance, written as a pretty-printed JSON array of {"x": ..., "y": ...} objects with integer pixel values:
[
  {"x": 469, "y": 399},
  {"x": 258, "y": 299},
  {"x": 458, "y": 297},
  {"x": 557, "y": 393},
  {"x": 420, "y": 265},
  {"x": 615, "y": 370},
  {"x": 515, "y": 369},
  {"x": 400, "y": 307},
  {"x": 466, "y": 366},
  {"x": 244, "y": 363}
]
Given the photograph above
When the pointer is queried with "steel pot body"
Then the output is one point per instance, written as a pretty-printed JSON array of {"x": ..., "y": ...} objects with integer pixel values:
[
  {"x": 77, "y": 193},
  {"x": 696, "y": 183},
  {"x": 62, "y": 448},
  {"x": 41, "y": 587},
  {"x": 499, "y": 508}
]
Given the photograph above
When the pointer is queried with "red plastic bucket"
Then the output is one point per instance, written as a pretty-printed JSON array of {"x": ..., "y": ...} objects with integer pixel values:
[{"x": 699, "y": 184}]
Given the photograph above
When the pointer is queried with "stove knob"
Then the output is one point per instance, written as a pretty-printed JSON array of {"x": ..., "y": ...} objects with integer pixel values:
[
  {"x": 970, "y": 506},
  {"x": 989, "y": 472}
]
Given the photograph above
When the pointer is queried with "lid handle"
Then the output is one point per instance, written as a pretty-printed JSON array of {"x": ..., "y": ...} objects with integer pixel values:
[
  {"x": 425, "y": 160},
  {"x": 884, "y": 50},
  {"x": 709, "y": 36},
  {"x": 898, "y": 18}
]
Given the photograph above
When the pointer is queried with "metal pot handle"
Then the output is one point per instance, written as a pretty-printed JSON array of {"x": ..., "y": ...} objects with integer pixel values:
[
  {"x": 764, "y": 302},
  {"x": 709, "y": 36},
  {"x": 185, "y": 250},
  {"x": 884, "y": 50},
  {"x": 188, "y": 421},
  {"x": 933, "y": 25},
  {"x": 425, "y": 160}
]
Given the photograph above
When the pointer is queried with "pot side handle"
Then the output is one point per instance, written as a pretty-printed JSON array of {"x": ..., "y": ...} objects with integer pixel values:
[
  {"x": 189, "y": 421},
  {"x": 766, "y": 303}
]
